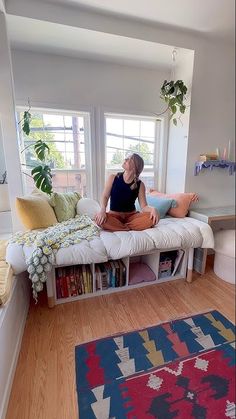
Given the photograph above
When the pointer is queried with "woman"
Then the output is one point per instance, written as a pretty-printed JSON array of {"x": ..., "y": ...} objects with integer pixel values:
[{"x": 123, "y": 189}]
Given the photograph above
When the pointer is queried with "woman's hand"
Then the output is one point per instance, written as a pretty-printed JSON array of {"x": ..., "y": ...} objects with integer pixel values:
[
  {"x": 100, "y": 217},
  {"x": 154, "y": 215}
]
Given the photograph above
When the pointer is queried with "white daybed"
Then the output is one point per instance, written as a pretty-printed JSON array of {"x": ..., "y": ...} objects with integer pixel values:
[{"x": 170, "y": 233}]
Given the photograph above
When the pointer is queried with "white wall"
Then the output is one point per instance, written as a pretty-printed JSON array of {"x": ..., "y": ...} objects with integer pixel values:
[
  {"x": 178, "y": 135},
  {"x": 212, "y": 121},
  {"x": 70, "y": 83}
]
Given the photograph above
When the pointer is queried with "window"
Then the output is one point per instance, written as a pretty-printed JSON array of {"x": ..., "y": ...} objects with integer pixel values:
[
  {"x": 68, "y": 136},
  {"x": 127, "y": 134}
]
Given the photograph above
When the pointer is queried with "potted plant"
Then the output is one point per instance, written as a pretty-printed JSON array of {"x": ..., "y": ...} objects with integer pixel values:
[
  {"x": 174, "y": 95},
  {"x": 42, "y": 173}
]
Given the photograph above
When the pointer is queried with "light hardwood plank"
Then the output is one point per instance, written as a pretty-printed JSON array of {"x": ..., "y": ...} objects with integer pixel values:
[{"x": 44, "y": 383}]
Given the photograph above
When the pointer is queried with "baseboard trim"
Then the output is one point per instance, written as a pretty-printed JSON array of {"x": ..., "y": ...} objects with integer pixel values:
[{"x": 12, "y": 369}]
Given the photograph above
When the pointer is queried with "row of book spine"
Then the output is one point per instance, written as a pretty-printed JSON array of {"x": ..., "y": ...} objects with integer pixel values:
[
  {"x": 72, "y": 281},
  {"x": 110, "y": 274}
]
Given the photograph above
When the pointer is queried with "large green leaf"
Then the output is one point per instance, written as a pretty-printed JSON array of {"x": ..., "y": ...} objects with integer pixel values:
[
  {"x": 173, "y": 109},
  {"x": 175, "y": 121},
  {"x": 43, "y": 178},
  {"x": 41, "y": 150},
  {"x": 172, "y": 101},
  {"x": 26, "y": 122}
]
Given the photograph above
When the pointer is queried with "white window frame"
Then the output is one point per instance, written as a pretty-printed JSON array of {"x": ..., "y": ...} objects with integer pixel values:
[
  {"x": 160, "y": 154},
  {"x": 96, "y": 142},
  {"x": 90, "y": 168}
]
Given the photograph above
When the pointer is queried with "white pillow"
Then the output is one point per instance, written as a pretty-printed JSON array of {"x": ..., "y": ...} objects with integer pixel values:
[{"x": 87, "y": 206}]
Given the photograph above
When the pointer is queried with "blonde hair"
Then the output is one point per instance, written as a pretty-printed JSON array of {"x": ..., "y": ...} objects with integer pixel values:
[{"x": 138, "y": 166}]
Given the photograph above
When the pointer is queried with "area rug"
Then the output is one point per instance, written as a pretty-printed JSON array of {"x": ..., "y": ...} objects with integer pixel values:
[{"x": 180, "y": 369}]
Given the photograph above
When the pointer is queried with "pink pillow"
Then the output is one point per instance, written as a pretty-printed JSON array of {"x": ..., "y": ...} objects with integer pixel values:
[
  {"x": 140, "y": 272},
  {"x": 183, "y": 200}
]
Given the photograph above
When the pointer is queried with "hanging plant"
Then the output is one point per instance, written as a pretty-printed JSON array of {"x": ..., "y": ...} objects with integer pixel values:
[
  {"x": 41, "y": 174},
  {"x": 174, "y": 95}
]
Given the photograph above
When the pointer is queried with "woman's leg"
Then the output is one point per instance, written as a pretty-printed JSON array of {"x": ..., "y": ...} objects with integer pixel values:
[
  {"x": 114, "y": 222},
  {"x": 139, "y": 221}
]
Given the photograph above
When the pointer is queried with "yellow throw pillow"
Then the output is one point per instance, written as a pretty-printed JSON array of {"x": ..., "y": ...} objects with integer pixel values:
[{"x": 35, "y": 212}]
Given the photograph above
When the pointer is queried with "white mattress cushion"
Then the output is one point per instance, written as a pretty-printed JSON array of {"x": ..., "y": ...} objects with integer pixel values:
[{"x": 169, "y": 233}]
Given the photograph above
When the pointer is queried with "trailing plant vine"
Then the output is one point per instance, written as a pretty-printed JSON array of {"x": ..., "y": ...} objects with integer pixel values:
[
  {"x": 41, "y": 174},
  {"x": 3, "y": 181},
  {"x": 174, "y": 95}
]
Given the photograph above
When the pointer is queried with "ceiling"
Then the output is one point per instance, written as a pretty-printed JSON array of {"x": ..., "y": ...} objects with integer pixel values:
[
  {"x": 41, "y": 36},
  {"x": 210, "y": 17},
  {"x": 213, "y": 18}
]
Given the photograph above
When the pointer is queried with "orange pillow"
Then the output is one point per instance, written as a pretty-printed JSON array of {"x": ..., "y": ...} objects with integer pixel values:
[{"x": 183, "y": 200}]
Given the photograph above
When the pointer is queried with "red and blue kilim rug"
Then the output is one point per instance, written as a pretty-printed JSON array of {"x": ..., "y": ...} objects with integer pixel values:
[{"x": 181, "y": 369}]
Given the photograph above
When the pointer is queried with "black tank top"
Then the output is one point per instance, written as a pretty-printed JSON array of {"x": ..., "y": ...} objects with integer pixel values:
[{"x": 122, "y": 198}]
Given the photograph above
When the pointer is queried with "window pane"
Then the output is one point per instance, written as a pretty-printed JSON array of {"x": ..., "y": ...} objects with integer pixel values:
[
  {"x": 114, "y": 157},
  {"x": 65, "y": 137},
  {"x": 113, "y": 141},
  {"x": 133, "y": 135},
  {"x": 131, "y": 145},
  {"x": 150, "y": 147},
  {"x": 68, "y": 137},
  {"x": 114, "y": 126},
  {"x": 148, "y": 179},
  {"x": 131, "y": 127},
  {"x": 53, "y": 120},
  {"x": 64, "y": 180},
  {"x": 147, "y": 129},
  {"x": 69, "y": 147}
]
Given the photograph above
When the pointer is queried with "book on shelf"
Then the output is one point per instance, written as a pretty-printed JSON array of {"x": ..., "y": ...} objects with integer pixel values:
[
  {"x": 72, "y": 281},
  {"x": 110, "y": 274},
  {"x": 98, "y": 282},
  {"x": 62, "y": 279},
  {"x": 84, "y": 277},
  {"x": 78, "y": 280},
  {"x": 117, "y": 273},
  {"x": 89, "y": 278},
  {"x": 177, "y": 261},
  {"x": 122, "y": 281},
  {"x": 109, "y": 269},
  {"x": 101, "y": 277},
  {"x": 58, "y": 283},
  {"x": 73, "y": 284},
  {"x": 113, "y": 274}
]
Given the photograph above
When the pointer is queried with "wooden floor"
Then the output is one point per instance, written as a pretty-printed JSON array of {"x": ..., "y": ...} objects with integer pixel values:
[{"x": 44, "y": 384}]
